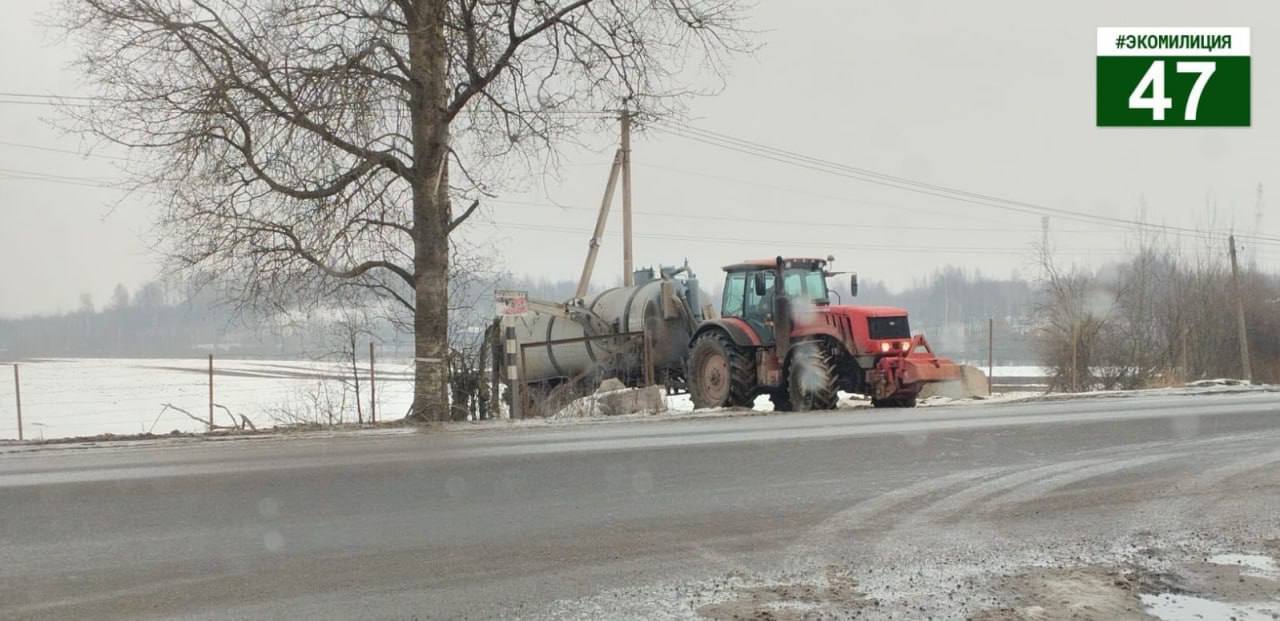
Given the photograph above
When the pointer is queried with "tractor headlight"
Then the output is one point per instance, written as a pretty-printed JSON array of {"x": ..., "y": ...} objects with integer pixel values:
[
  {"x": 906, "y": 345},
  {"x": 885, "y": 347}
]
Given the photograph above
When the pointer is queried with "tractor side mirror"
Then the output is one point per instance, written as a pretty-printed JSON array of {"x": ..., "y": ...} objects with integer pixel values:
[
  {"x": 757, "y": 281},
  {"x": 853, "y": 285}
]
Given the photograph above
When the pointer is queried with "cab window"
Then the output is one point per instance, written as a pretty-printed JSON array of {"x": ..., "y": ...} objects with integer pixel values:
[
  {"x": 735, "y": 287},
  {"x": 805, "y": 284},
  {"x": 793, "y": 283},
  {"x": 760, "y": 306}
]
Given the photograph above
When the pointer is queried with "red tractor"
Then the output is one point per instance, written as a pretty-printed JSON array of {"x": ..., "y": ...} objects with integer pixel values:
[{"x": 791, "y": 343}]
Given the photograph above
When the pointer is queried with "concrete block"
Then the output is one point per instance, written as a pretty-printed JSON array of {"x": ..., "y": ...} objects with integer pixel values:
[{"x": 647, "y": 400}]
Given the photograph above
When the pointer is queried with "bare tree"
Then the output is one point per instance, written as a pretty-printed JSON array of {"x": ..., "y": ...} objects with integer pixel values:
[
  {"x": 304, "y": 147},
  {"x": 471, "y": 285},
  {"x": 352, "y": 328},
  {"x": 1073, "y": 316}
]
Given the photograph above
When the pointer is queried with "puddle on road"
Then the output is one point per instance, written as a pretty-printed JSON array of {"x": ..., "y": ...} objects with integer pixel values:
[
  {"x": 1171, "y": 607},
  {"x": 1243, "y": 587}
]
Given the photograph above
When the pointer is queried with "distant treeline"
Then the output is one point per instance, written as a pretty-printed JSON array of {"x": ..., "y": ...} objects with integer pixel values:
[
  {"x": 169, "y": 319},
  {"x": 157, "y": 320}
]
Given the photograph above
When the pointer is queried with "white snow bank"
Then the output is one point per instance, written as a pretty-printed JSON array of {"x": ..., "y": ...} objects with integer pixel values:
[{"x": 1220, "y": 381}]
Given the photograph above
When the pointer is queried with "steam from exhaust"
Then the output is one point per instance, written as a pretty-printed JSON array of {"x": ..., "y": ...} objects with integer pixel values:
[{"x": 803, "y": 312}]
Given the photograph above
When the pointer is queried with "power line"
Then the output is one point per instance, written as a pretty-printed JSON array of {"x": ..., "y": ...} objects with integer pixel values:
[
  {"x": 816, "y": 164},
  {"x": 830, "y": 167},
  {"x": 20, "y": 175},
  {"x": 54, "y": 175},
  {"x": 794, "y": 158},
  {"x": 67, "y": 151},
  {"x": 10, "y": 174},
  {"x": 796, "y": 222},
  {"x": 810, "y": 244},
  {"x": 57, "y": 97},
  {"x": 845, "y": 199},
  {"x": 759, "y": 150},
  {"x": 11, "y": 177}
]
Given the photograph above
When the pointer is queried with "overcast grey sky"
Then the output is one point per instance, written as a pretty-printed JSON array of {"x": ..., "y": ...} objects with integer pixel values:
[{"x": 995, "y": 97}]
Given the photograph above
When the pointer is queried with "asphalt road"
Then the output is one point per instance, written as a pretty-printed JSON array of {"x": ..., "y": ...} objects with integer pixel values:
[{"x": 559, "y": 520}]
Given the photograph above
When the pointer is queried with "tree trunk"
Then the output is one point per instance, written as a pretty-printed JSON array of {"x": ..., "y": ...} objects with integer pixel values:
[{"x": 430, "y": 211}]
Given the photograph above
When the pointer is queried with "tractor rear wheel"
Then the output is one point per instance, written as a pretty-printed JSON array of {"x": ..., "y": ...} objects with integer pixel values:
[
  {"x": 720, "y": 373},
  {"x": 811, "y": 378}
]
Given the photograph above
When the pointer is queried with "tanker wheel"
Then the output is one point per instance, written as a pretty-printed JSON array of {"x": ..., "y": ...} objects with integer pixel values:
[
  {"x": 811, "y": 378},
  {"x": 720, "y": 373}
]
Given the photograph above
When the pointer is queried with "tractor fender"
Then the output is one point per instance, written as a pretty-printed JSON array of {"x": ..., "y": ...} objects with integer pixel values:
[{"x": 739, "y": 332}]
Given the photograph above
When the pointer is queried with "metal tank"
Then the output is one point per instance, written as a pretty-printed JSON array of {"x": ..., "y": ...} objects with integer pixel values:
[{"x": 662, "y": 306}]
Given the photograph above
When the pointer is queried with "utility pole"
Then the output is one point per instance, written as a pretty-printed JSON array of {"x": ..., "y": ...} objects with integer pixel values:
[
  {"x": 602, "y": 218},
  {"x": 1240, "y": 326},
  {"x": 1257, "y": 226},
  {"x": 628, "y": 271}
]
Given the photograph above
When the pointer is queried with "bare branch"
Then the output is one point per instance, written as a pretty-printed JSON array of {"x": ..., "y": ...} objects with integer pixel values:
[{"x": 466, "y": 214}]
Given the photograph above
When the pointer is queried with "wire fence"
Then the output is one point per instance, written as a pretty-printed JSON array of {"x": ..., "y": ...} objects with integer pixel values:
[
  {"x": 79, "y": 397},
  {"x": 48, "y": 399}
]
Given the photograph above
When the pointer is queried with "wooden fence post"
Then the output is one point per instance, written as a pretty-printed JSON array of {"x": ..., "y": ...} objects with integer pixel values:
[
  {"x": 373, "y": 389},
  {"x": 17, "y": 396},
  {"x": 210, "y": 392},
  {"x": 991, "y": 356}
]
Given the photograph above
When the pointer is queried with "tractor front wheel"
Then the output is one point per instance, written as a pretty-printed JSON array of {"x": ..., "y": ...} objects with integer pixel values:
[
  {"x": 894, "y": 402},
  {"x": 720, "y": 373},
  {"x": 811, "y": 378},
  {"x": 781, "y": 400}
]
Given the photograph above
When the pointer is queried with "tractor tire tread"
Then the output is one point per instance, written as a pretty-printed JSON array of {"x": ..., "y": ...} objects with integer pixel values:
[
  {"x": 820, "y": 359},
  {"x": 742, "y": 373}
]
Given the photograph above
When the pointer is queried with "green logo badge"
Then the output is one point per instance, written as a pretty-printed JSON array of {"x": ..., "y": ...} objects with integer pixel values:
[{"x": 1173, "y": 76}]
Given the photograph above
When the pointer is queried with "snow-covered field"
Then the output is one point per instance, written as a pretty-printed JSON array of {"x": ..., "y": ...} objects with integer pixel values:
[
  {"x": 83, "y": 397},
  {"x": 1011, "y": 371}
]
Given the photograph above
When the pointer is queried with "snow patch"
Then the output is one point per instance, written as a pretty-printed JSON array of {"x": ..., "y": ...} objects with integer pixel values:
[
  {"x": 1262, "y": 566},
  {"x": 1220, "y": 381},
  {"x": 679, "y": 403},
  {"x": 1172, "y": 607}
]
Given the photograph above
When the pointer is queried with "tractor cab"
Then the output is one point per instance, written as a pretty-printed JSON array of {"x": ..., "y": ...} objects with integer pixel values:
[
  {"x": 779, "y": 334},
  {"x": 750, "y": 291}
]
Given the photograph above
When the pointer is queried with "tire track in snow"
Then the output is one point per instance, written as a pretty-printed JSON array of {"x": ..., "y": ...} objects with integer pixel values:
[
  {"x": 964, "y": 500},
  {"x": 866, "y": 514},
  {"x": 1039, "y": 489}
]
